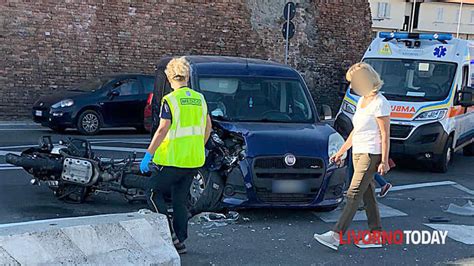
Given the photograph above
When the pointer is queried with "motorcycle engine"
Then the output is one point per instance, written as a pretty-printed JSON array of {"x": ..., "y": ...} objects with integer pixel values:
[{"x": 78, "y": 171}]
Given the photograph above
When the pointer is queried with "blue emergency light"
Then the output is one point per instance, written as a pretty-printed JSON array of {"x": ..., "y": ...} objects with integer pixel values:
[{"x": 417, "y": 36}]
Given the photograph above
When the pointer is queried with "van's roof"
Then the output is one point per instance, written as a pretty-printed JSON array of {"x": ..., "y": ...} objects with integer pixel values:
[{"x": 235, "y": 66}]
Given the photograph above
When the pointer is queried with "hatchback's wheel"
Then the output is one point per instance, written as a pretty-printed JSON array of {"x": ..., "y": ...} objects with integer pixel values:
[
  {"x": 89, "y": 122},
  {"x": 441, "y": 166}
]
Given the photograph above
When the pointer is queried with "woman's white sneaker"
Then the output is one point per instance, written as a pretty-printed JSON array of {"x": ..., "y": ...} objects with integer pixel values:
[
  {"x": 329, "y": 239},
  {"x": 369, "y": 243}
]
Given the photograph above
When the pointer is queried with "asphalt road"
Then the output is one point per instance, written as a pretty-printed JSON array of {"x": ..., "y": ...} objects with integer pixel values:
[{"x": 264, "y": 236}]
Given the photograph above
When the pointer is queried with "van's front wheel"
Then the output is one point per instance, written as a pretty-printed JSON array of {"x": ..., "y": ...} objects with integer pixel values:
[
  {"x": 205, "y": 192},
  {"x": 441, "y": 165}
]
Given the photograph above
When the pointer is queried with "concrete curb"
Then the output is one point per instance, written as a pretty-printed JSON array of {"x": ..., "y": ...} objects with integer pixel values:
[{"x": 139, "y": 238}]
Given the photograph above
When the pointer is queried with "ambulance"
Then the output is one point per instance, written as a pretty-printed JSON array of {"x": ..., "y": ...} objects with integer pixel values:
[{"x": 429, "y": 81}]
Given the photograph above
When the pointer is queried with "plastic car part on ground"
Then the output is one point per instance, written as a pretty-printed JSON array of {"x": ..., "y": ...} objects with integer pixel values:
[{"x": 465, "y": 210}]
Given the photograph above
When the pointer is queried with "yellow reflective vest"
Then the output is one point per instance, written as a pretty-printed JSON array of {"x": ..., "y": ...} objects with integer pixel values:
[{"x": 183, "y": 146}]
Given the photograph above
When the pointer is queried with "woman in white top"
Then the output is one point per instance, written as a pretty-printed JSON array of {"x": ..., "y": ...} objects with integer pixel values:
[{"x": 370, "y": 142}]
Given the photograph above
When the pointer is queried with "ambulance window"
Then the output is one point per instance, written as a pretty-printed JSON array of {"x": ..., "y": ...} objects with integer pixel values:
[{"x": 465, "y": 75}]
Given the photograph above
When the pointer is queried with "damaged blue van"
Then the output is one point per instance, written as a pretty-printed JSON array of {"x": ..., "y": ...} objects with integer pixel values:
[{"x": 269, "y": 146}]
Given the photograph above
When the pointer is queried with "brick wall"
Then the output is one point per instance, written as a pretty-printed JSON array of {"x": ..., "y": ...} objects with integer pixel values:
[{"x": 49, "y": 45}]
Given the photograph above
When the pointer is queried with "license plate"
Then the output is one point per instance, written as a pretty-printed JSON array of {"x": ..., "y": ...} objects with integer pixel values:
[
  {"x": 290, "y": 186},
  {"x": 38, "y": 113}
]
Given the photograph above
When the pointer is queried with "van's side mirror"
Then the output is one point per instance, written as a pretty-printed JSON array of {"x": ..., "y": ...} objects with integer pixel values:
[
  {"x": 113, "y": 93},
  {"x": 326, "y": 112},
  {"x": 465, "y": 96}
]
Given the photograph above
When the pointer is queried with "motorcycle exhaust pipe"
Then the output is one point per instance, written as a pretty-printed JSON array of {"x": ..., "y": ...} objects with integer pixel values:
[
  {"x": 12, "y": 158},
  {"x": 37, "y": 163}
]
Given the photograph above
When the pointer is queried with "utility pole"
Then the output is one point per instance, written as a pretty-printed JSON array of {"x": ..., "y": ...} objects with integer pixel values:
[{"x": 412, "y": 19}]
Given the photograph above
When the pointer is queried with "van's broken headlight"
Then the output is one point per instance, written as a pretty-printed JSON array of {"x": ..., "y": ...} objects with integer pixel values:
[
  {"x": 432, "y": 115},
  {"x": 334, "y": 144}
]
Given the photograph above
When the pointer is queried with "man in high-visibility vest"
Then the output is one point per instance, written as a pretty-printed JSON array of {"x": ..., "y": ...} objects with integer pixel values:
[{"x": 177, "y": 148}]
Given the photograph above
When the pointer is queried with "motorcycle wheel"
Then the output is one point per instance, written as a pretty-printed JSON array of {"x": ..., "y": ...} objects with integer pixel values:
[{"x": 72, "y": 194}]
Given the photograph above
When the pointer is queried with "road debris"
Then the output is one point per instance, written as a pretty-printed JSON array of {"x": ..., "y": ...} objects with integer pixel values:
[
  {"x": 211, "y": 220},
  {"x": 438, "y": 219},
  {"x": 465, "y": 210}
]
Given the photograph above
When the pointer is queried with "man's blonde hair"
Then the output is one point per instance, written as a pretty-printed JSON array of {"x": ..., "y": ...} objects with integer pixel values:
[
  {"x": 370, "y": 72},
  {"x": 178, "y": 69}
]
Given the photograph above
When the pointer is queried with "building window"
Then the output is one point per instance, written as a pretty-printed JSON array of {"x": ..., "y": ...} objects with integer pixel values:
[
  {"x": 439, "y": 14},
  {"x": 472, "y": 17},
  {"x": 383, "y": 10}
]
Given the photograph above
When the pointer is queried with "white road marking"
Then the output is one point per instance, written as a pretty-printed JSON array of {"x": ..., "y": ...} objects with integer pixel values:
[
  {"x": 5, "y": 152},
  {"x": 11, "y": 168},
  {"x": 17, "y": 129},
  {"x": 420, "y": 185},
  {"x": 459, "y": 232},
  {"x": 92, "y": 141},
  {"x": 124, "y": 140},
  {"x": 107, "y": 148},
  {"x": 18, "y": 146},
  {"x": 333, "y": 216},
  {"x": 12, "y": 123},
  {"x": 465, "y": 189}
]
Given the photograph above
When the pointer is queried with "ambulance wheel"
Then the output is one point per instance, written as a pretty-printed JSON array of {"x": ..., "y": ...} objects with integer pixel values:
[
  {"x": 441, "y": 166},
  {"x": 468, "y": 150}
]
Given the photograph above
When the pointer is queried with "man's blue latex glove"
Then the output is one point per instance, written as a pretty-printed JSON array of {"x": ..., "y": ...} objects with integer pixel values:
[{"x": 144, "y": 168}]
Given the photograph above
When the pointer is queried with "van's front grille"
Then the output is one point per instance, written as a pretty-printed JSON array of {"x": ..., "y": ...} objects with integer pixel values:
[
  {"x": 279, "y": 163},
  {"x": 307, "y": 174}
]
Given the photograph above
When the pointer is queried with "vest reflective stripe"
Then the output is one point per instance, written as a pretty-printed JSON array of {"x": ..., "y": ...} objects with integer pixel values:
[
  {"x": 185, "y": 132},
  {"x": 183, "y": 145}
]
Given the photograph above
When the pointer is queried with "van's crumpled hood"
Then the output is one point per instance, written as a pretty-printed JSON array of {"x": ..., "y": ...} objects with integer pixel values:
[{"x": 265, "y": 139}]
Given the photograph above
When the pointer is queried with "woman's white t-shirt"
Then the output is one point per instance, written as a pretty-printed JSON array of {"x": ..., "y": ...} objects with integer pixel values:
[{"x": 366, "y": 136}]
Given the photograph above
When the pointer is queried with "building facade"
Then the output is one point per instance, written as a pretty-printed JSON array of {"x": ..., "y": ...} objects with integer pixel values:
[
  {"x": 424, "y": 16},
  {"x": 48, "y": 45}
]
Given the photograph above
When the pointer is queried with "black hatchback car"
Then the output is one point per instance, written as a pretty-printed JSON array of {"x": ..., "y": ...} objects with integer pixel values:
[{"x": 108, "y": 101}]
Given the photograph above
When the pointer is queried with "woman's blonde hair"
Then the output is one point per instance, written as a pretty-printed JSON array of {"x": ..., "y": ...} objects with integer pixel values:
[
  {"x": 178, "y": 69},
  {"x": 370, "y": 72}
]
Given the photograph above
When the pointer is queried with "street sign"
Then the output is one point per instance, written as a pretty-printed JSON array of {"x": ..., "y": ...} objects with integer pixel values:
[
  {"x": 290, "y": 28},
  {"x": 291, "y": 7}
]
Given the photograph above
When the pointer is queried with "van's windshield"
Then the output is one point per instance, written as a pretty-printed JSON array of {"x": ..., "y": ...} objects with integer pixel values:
[
  {"x": 414, "y": 80},
  {"x": 254, "y": 99}
]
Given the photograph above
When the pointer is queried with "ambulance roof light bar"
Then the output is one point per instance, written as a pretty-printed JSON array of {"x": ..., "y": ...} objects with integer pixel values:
[{"x": 442, "y": 37}]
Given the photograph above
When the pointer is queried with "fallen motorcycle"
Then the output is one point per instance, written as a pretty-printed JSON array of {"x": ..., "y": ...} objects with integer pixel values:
[{"x": 74, "y": 173}]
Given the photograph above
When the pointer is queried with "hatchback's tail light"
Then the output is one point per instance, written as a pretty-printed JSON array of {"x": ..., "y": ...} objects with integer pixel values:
[{"x": 150, "y": 98}]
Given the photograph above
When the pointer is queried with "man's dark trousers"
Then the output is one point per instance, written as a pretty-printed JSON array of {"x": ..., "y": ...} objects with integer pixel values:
[{"x": 176, "y": 181}]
